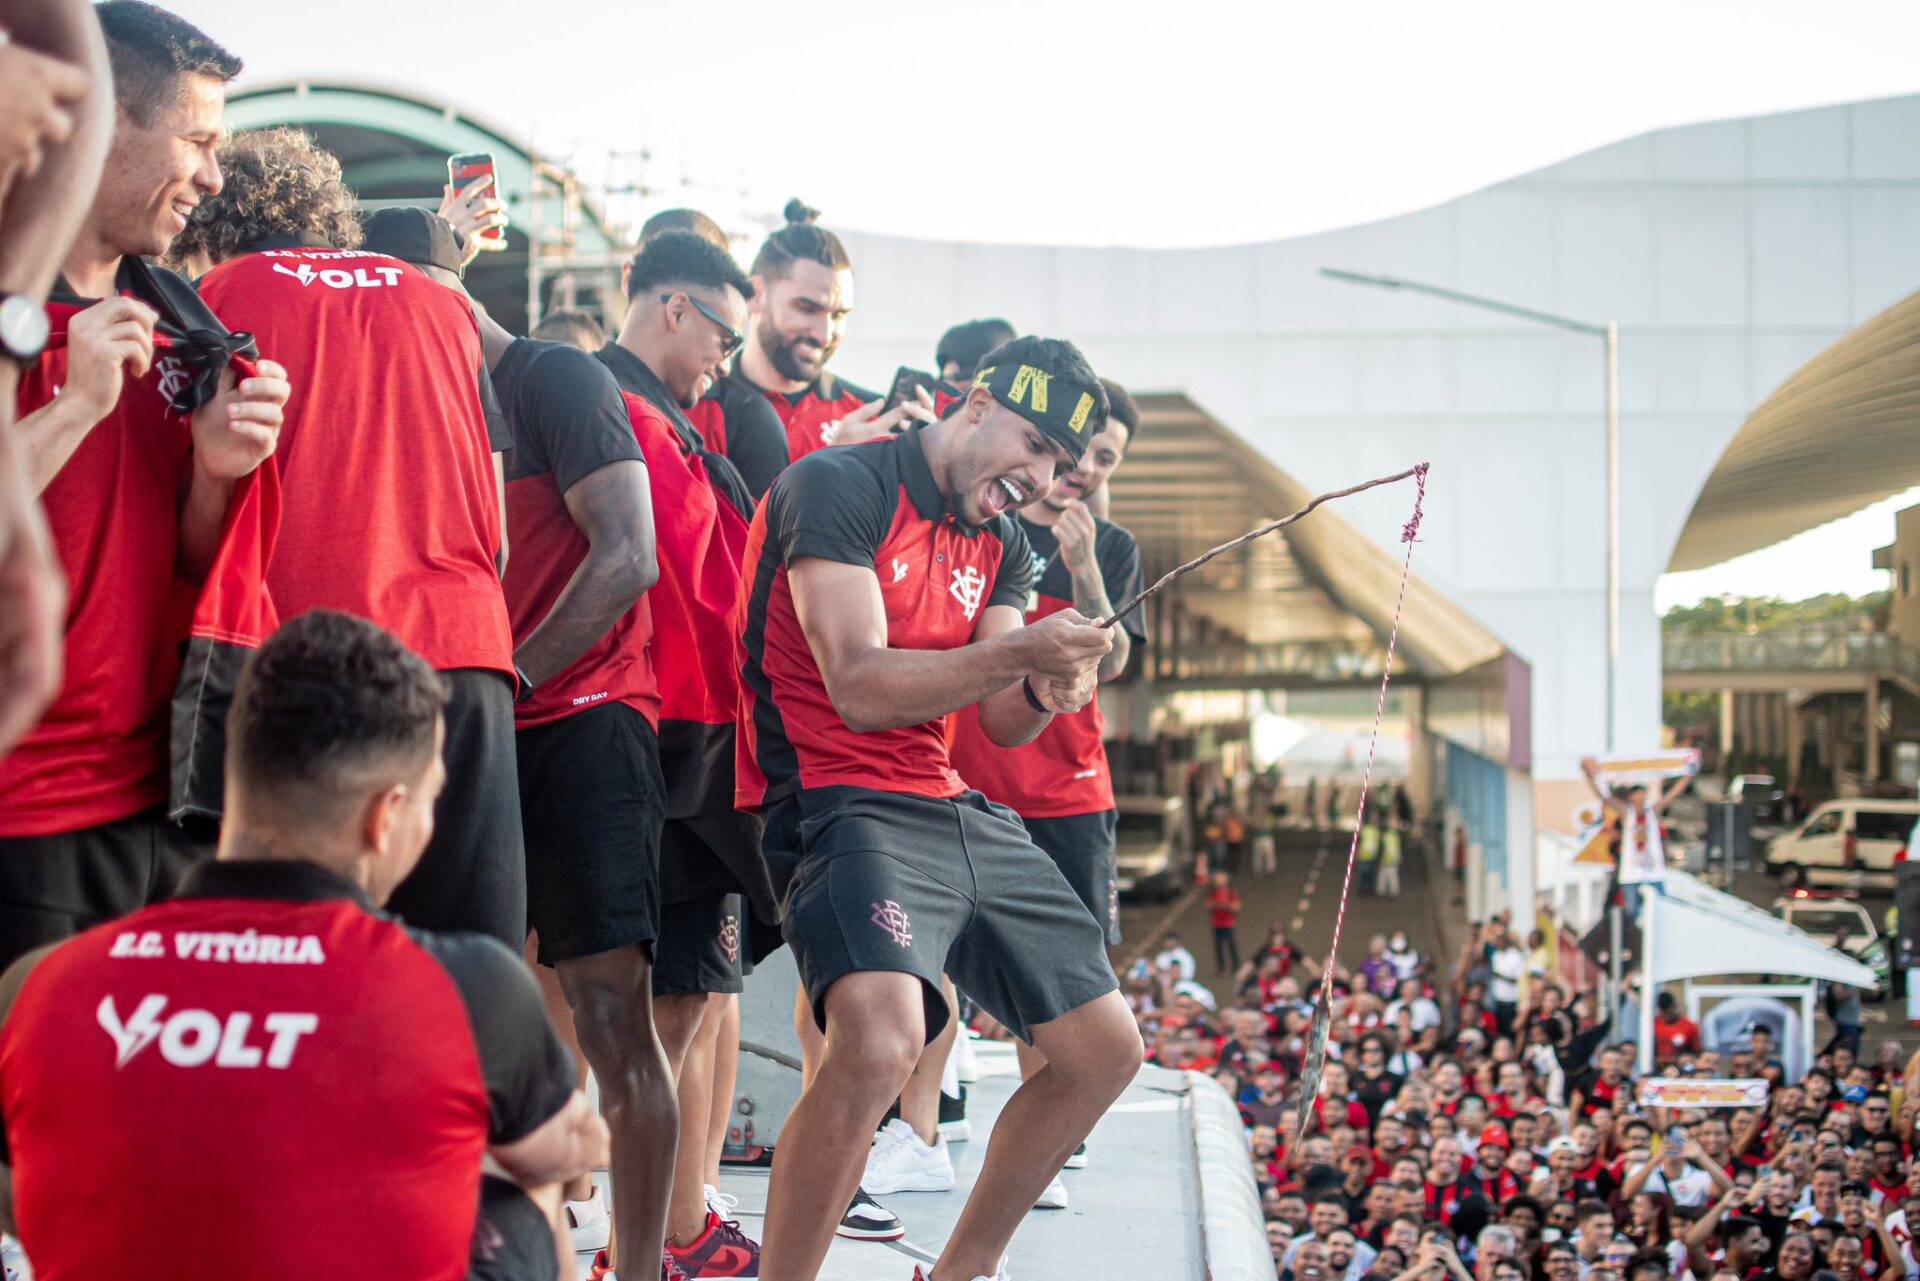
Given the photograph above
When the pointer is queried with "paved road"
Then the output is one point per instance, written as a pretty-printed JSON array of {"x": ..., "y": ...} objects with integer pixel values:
[{"x": 1304, "y": 895}]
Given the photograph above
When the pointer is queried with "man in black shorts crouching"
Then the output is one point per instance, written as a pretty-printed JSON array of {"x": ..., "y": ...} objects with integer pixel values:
[
  {"x": 886, "y": 588},
  {"x": 269, "y": 1077}
]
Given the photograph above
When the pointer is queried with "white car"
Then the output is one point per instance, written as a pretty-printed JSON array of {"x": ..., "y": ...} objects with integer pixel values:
[{"x": 1825, "y": 917}]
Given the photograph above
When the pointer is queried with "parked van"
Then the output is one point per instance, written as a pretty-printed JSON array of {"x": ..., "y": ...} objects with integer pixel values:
[
  {"x": 1849, "y": 842},
  {"x": 1154, "y": 848}
]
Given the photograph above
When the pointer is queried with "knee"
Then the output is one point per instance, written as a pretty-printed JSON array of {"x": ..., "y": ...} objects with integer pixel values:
[
  {"x": 1108, "y": 1056},
  {"x": 877, "y": 1058}
]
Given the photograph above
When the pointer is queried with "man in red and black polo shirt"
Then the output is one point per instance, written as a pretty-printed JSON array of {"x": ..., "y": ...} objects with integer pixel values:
[
  {"x": 136, "y": 493},
  {"x": 886, "y": 592},
  {"x": 733, "y": 417},
  {"x": 686, "y": 303},
  {"x": 267, "y": 1077},
  {"x": 392, "y": 503},
  {"x": 802, "y": 294}
]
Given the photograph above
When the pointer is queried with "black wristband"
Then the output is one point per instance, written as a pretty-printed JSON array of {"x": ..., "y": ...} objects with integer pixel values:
[{"x": 1033, "y": 700}]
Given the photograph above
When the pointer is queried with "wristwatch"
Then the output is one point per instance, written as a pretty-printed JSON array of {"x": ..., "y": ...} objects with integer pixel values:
[{"x": 23, "y": 328}]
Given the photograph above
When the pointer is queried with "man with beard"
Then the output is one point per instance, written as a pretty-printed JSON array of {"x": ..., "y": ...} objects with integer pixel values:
[
  {"x": 731, "y": 414},
  {"x": 886, "y": 591},
  {"x": 1060, "y": 784},
  {"x": 1489, "y": 1175},
  {"x": 136, "y": 493},
  {"x": 802, "y": 294},
  {"x": 686, "y": 302}
]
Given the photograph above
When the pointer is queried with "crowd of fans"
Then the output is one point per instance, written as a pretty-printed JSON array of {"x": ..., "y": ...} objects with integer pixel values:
[
  {"x": 1505, "y": 1139},
  {"x": 351, "y": 644}
]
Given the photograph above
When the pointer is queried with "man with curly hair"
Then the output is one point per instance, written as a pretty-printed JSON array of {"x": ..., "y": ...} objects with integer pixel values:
[
  {"x": 136, "y": 458},
  {"x": 391, "y": 467}
]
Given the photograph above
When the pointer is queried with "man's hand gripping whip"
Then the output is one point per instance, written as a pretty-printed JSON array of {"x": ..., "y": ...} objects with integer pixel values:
[{"x": 1323, "y": 1010}]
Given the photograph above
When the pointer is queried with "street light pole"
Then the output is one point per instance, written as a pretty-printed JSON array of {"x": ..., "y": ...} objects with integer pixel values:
[{"x": 1609, "y": 333}]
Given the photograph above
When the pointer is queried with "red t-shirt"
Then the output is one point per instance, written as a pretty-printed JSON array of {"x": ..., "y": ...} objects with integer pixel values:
[
  {"x": 100, "y": 752},
  {"x": 391, "y": 510},
  {"x": 1674, "y": 1037},
  {"x": 1224, "y": 905},
  {"x": 805, "y": 414},
  {"x": 876, "y": 506},
  {"x": 1064, "y": 771},
  {"x": 264, "y": 1078},
  {"x": 568, "y": 422}
]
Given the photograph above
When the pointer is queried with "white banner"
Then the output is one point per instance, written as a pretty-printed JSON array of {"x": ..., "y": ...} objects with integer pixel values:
[
  {"x": 1648, "y": 767},
  {"x": 1683, "y": 1092}
]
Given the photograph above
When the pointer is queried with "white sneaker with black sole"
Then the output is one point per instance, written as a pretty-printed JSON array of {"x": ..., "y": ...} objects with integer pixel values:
[
  {"x": 588, "y": 1222},
  {"x": 900, "y": 1162},
  {"x": 1078, "y": 1161},
  {"x": 1054, "y": 1198},
  {"x": 867, "y": 1220}
]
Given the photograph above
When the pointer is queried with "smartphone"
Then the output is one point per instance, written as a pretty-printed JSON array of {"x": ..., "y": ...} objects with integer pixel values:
[
  {"x": 466, "y": 168},
  {"x": 904, "y": 381},
  {"x": 1677, "y": 1135}
]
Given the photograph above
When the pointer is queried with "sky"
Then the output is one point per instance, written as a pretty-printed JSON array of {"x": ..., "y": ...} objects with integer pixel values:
[{"x": 1102, "y": 121}]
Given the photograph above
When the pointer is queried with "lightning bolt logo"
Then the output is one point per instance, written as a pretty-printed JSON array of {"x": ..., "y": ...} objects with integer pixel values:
[{"x": 137, "y": 1032}]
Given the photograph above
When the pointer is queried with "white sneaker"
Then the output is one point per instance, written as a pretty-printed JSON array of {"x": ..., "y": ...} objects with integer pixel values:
[
  {"x": 1054, "y": 1198},
  {"x": 900, "y": 1162},
  {"x": 589, "y": 1223},
  {"x": 1078, "y": 1161},
  {"x": 966, "y": 1067}
]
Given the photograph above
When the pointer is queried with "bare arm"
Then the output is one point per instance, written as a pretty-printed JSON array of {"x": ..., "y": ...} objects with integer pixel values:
[
  {"x": 1638, "y": 1178},
  {"x": 1701, "y": 1232},
  {"x": 1079, "y": 540},
  {"x": 874, "y": 687},
  {"x": 1590, "y": 770},
  {"x": 1006, "y": 717},
  {"x": 613, "y": 507},
  {"x": 57, "y": 59},
  {"x": 570, "y": 1143}
]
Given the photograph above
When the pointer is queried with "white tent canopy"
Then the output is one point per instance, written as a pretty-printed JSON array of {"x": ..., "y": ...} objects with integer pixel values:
[
  {"x": 1691, "y": 931},
  {"x": 1697, "y": 931}
]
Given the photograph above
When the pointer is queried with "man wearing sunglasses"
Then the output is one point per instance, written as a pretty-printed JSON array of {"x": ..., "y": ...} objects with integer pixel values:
[{"x": 686, "y": 304}]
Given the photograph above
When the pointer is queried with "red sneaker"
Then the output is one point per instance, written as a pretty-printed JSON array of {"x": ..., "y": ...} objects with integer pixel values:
[
  {"x": 602, "y": 1269},
  {"x": 721, "y": 1250}
]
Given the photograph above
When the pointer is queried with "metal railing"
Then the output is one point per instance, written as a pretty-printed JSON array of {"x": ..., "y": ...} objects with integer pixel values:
[
  {"x": 1295, "y": 664},
  {"x": 1792, "y": 649}
]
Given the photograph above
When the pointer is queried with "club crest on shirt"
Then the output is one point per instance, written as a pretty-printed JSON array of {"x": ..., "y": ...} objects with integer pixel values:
[
  {"x": 173, "y": 377},
  {"x": 892, "y": 918},
  {"x": 968, "y": 586},
  {"x": 730, "y": 937}
]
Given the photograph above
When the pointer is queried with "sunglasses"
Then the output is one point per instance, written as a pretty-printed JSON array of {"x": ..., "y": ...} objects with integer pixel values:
[{"x": 730, "y": 338}]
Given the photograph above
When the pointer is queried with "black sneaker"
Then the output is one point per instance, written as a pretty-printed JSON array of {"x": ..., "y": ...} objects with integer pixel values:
[
  {"x": 867, "y": 1220},
  {"x": 954, "y": 1126}
]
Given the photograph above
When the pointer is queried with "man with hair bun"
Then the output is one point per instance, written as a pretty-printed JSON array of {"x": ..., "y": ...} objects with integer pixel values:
[
  {"x": 885, "y": 591},
  {"x": 802, "y": 295},
  {"x": 137, "y": 458},
  {"x": 393, "y": 504}
]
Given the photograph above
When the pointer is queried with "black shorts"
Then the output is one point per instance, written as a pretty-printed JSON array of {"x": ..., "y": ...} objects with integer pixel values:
[
  {"x": 512, "y": 1240},
  {"x": 920, "y": 886},
  {"x": 473, "y": 875},
  {"x": 590, "y": 803},
  {"x": 53, "y": 887},
  {"x": 701, "y": 947},
  {"x": 1082, "y": 847}
]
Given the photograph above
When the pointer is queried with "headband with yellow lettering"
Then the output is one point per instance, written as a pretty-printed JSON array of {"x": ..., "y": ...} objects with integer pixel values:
[{"x": 1066, "y": 410}]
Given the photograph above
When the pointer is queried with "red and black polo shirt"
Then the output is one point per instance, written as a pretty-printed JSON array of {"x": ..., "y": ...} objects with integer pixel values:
[
  {"x": 100, "y": 753},
  {"x": 568, "y": 421},
  {"x": 700, "y": 537},
  {"x": 1064, "y": 771},
  {"x": 391, "y": 508},
  {"x": 877, "y": 506},
  {"x": 736, "y": 421},
  {"x": 806, "y": 413},
  {"x": 266, "y": 1078}
]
